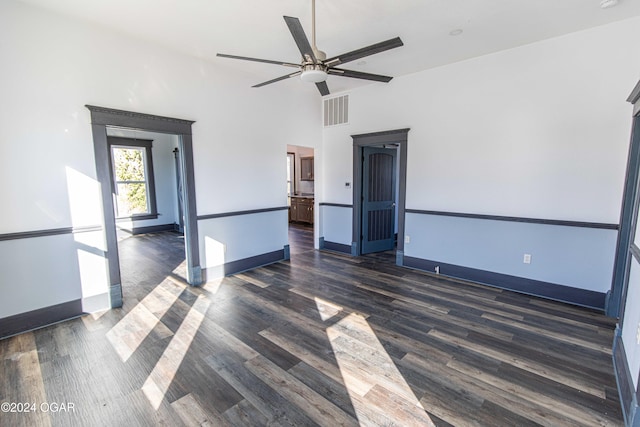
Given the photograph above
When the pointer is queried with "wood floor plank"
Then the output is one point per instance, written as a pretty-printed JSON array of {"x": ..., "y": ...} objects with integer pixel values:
[
  {"x": 192, "y": 414},
  {"x": 245, "y": 414},
  {"x": 22, "y": 382},
  {"x": 583, "y": 384},
  {"x": 332, "y": 390},
  {"x": 456, "y": 390},
  {"x": 295, "y": 391},
  {"x": 566, "y": 414},
  {"x": 273, "y": 406},
  {"x": 327, "y": 367},
  {"x": 549, "y": 333},
  {"x": 398, "y": 409}
]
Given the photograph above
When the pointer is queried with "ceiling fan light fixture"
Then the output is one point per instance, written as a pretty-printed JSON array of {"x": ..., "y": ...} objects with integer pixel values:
[{"x": 313, "y": 73}]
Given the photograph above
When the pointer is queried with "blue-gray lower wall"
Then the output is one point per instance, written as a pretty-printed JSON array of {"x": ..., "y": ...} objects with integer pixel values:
[
  {"x": 337, "y": 223},
  {"x": 570, "y": 261},
  {"x": 334, "y": 247},
  {"x": 575, "y": 256},
  {"x": 245, "y": 264},
  {"x": 576, "y": 296},
  {"x": 236, "y": 241},
  {"x": 50, "y": 267},
  {"x": 49, "y": 276}
]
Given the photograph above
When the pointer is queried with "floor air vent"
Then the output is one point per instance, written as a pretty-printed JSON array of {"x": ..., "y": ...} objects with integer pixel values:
[{"x": 336, "y": 111}]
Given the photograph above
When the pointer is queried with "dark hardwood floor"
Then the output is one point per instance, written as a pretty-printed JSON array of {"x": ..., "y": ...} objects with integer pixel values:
[
  {"x": 300, "y": 238},
  {"x": 322, "y": 339}
]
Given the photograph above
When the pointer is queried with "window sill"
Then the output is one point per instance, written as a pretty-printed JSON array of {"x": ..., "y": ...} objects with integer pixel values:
[{"x": 138, "y": 217}]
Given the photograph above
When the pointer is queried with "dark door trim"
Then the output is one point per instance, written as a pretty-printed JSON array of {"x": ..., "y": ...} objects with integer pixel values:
[
  {"x": 614, "y": 306},
  {"x": 627, "y": 253},
  {"x": 101, "y": 118},
  {"x": 399, "y": 137}
]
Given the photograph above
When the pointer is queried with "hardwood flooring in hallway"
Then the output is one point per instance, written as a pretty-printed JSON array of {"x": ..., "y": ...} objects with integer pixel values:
[{"x": 322, "y": 339}]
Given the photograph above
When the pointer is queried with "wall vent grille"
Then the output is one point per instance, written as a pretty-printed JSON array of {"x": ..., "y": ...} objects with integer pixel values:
[{"x": 336, "y": 111}]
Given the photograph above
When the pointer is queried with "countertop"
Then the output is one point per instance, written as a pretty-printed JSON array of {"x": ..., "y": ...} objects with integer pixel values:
[{"x": 303, "y": 195}]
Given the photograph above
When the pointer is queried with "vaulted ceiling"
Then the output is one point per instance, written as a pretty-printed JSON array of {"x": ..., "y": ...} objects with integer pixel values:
[{"x": 256, "y": 28}]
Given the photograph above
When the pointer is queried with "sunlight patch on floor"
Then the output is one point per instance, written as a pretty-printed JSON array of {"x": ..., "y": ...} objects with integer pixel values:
[
  {"x": 327, "y": 309},
  {"x": 159, "y": 380},
  {"x": 213, "y": 286},
  {"x": 127, "y": 335},
  {"x": 180, "y": 273},
  {"x": 378, "y": 391},
  {"x": 96, "y": 315}
]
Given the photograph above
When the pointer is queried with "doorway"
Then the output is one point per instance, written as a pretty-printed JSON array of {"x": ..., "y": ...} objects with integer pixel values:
[
  {"x": 301, "y": 198},
  {"x": 103, "y": 118},
  {"x": 146, "y": 184},
  {"x": 379, "y": 176}
]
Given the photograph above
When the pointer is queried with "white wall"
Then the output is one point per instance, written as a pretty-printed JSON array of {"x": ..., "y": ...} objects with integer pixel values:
[
  {"x": 537, "y": 131},
  {"x": 53, "y": 66}
]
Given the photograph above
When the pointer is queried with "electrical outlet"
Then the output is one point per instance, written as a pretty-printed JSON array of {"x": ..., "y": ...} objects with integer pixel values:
[
  {"x": 527, "y": 259},
  {"x": 407, "y": 239},
  {"x": 638, "y": 334},
  {"x": 437, "y": 269}
]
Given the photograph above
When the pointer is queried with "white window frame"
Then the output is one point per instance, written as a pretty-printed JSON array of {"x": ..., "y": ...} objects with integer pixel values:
[{"x": 146, "y": 146}]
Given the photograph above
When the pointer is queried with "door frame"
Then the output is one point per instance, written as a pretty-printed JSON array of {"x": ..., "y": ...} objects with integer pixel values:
[
  {"x": 627, "y": 252},
  {"x": 101, "y": 118},
  {"x": 617, "y": 296},
  {"x": 399, "y": 137}
]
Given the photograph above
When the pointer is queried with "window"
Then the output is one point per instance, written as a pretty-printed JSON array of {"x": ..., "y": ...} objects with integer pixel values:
[
  {"x": 132, "y": 171},
  {"x": 290, "y": 174}
]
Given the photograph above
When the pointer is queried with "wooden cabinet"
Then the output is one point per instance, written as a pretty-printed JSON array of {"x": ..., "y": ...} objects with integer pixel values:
[
  {"x": 306, "y": 168},
  {"x": 301, "y": 210}
]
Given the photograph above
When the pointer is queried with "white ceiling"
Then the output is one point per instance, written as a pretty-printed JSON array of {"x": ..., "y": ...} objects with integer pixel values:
[{"x": 255, "y": 28}]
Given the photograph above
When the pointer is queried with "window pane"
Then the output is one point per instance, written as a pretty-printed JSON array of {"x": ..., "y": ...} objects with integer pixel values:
[
  {"x": 129, "y": 164},
  {"x": 131, "y": 199},
  {"x": 290, "y": 160}
]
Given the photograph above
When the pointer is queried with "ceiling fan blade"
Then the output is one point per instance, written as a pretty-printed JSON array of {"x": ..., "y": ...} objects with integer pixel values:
[
  {"x": 277, "y": 79},
  {"x": 365, "y": 51},
  {"x": 300, "y": 38},
  {"x": 268, "y": 61},
  {"x": 359, "y": 75},
  {"x": 323, "y": 88}
]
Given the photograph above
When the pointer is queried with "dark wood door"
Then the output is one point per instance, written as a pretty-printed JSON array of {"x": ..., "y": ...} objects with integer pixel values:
[{"x": 378, "y": 199}]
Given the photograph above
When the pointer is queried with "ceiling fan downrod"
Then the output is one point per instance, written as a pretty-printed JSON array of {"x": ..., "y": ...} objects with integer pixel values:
[{"x": 320, "y": 55}]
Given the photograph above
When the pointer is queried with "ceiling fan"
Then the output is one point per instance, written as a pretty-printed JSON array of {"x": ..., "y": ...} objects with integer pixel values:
[{"x": 315, "y": 67}]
